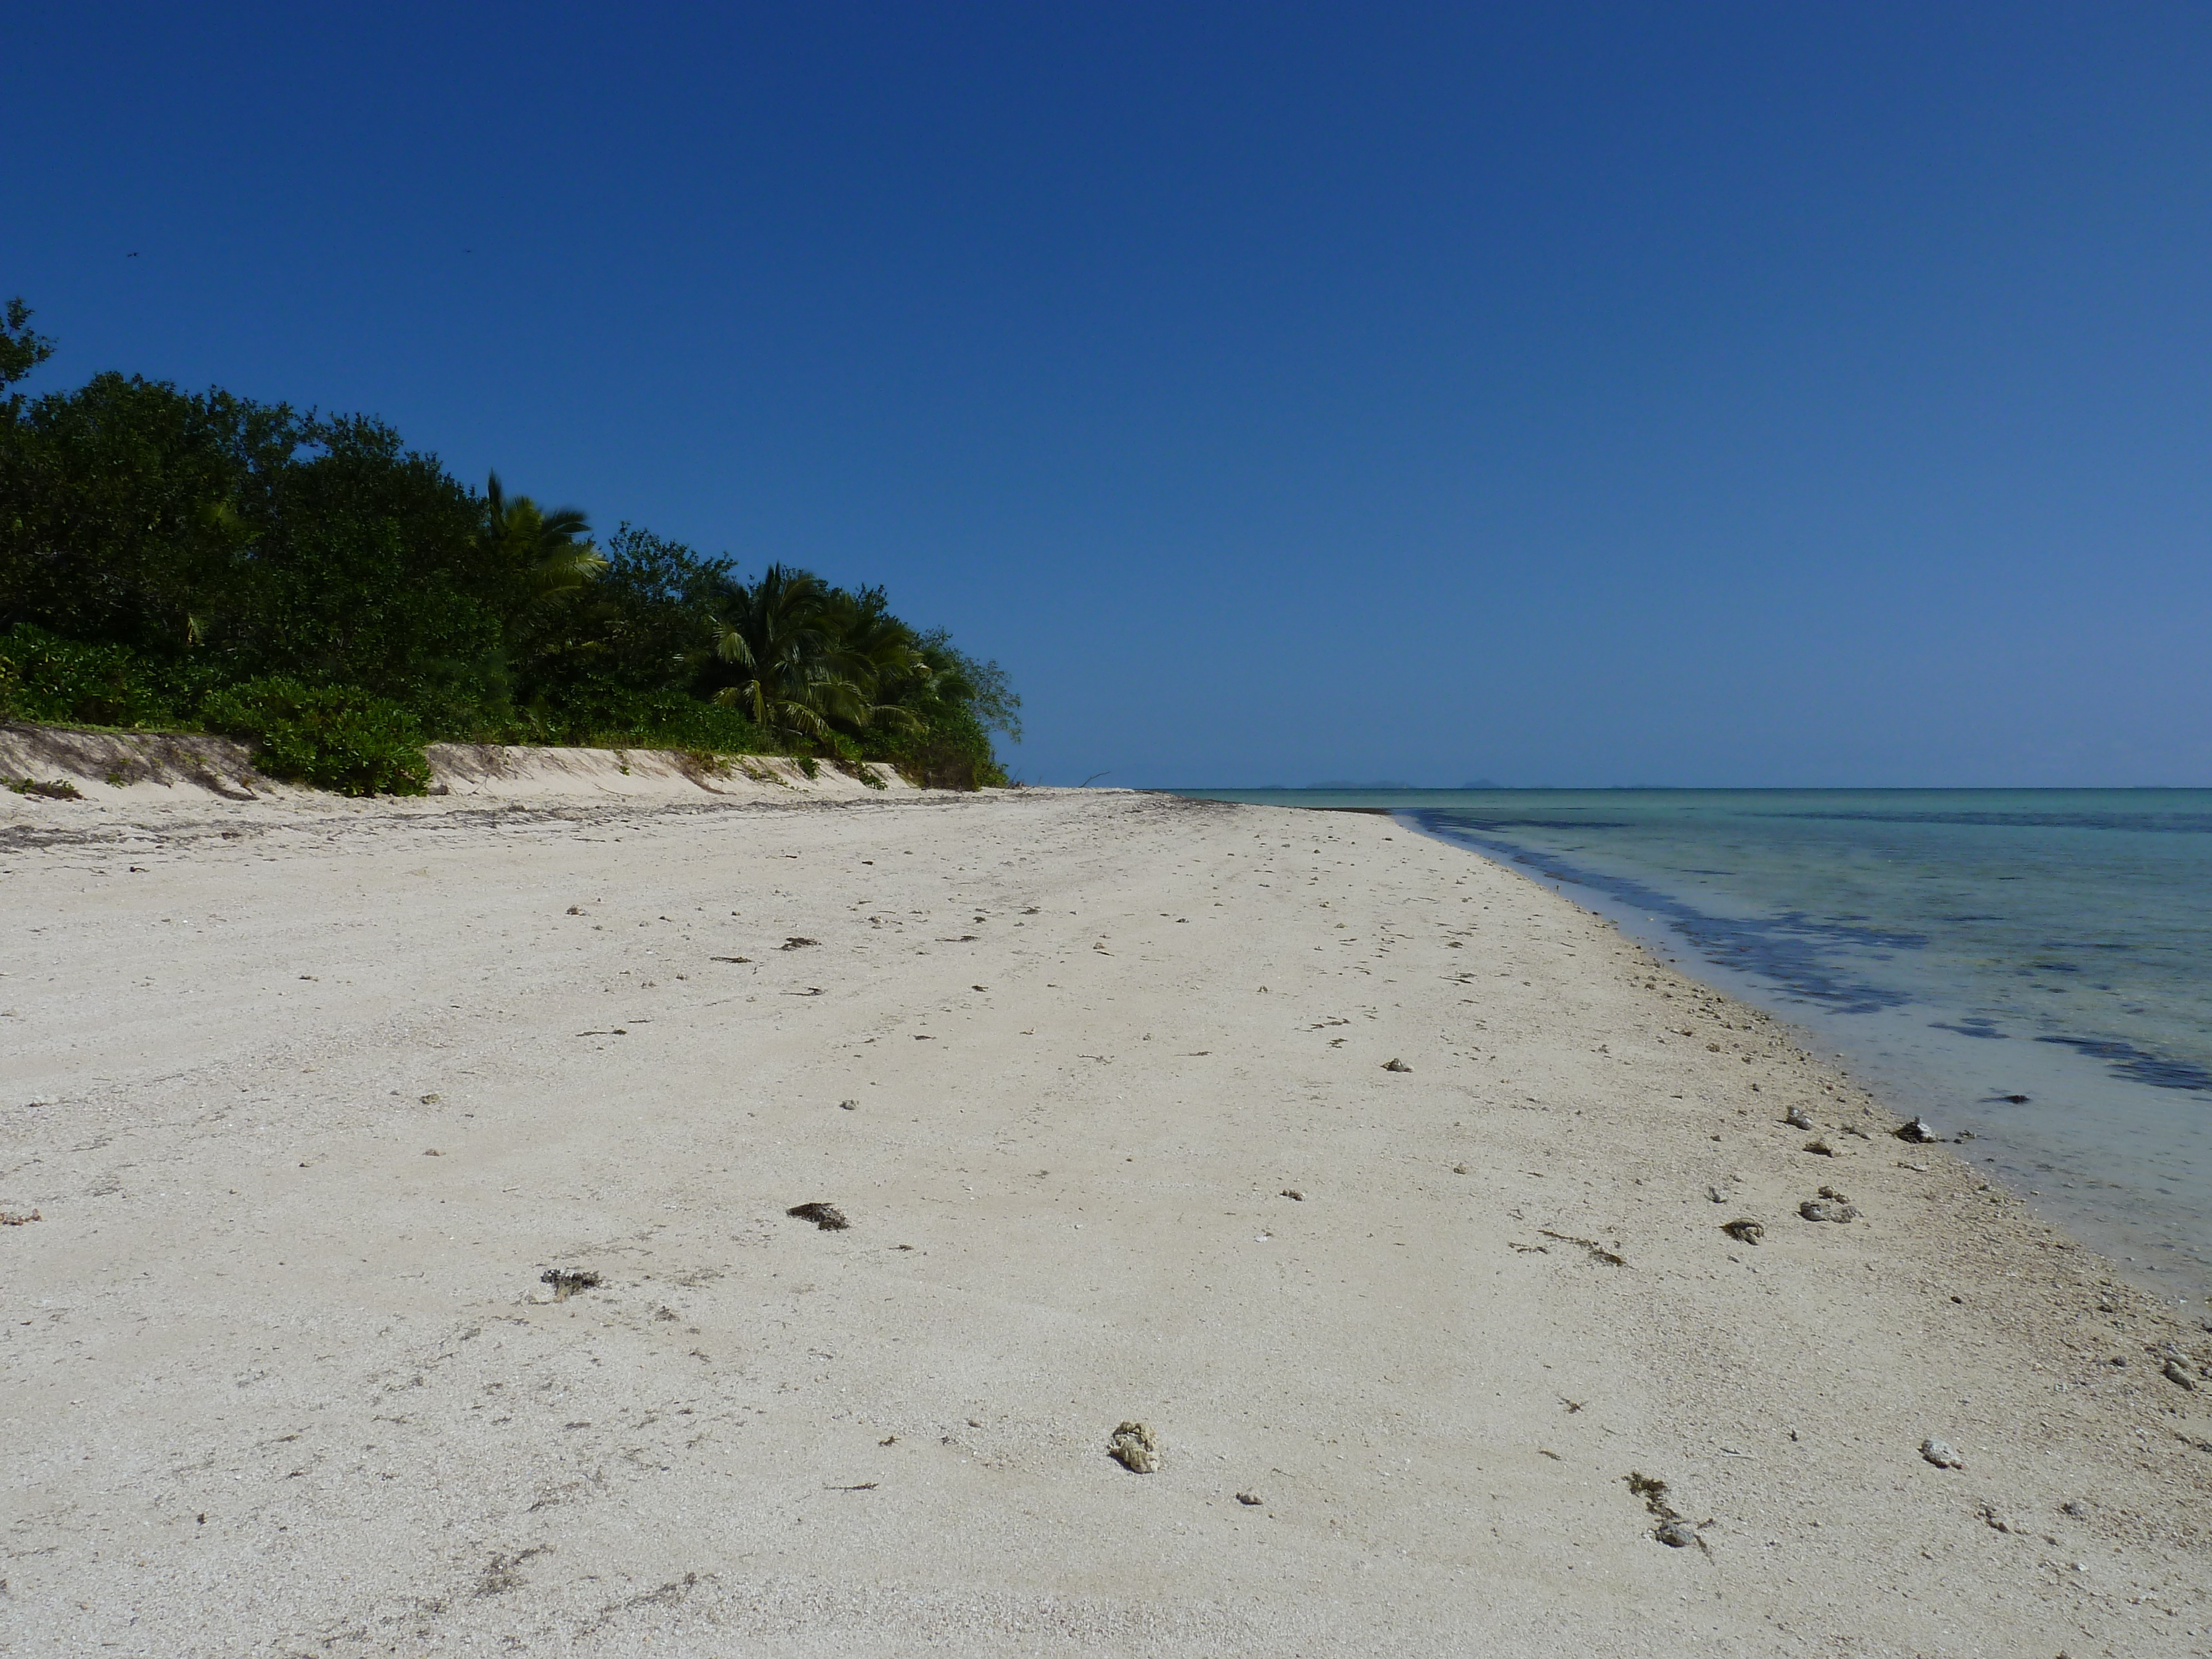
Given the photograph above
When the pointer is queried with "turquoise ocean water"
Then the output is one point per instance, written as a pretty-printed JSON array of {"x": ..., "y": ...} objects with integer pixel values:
[{"x": 1955, "y": 948}]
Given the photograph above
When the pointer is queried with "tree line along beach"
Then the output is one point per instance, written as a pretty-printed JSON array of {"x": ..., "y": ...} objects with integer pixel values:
[{"x": 311, "y": 586}]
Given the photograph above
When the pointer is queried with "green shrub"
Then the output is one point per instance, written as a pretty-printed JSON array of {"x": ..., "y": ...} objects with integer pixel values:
[
  {"x": 953, "y": 752},
  {"x": 45, "y": 678},
  {"x": 613, "y": 717},
  {"x": 673, "y": 720},
  {"x": 337, "y": 737}
]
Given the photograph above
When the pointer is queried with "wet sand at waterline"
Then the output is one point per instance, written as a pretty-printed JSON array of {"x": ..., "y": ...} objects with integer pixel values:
[{"x": 309, "y": 1098}]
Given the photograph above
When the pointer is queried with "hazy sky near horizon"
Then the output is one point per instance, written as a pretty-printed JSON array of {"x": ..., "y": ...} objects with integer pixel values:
[{"x": 1685, "y": 394}]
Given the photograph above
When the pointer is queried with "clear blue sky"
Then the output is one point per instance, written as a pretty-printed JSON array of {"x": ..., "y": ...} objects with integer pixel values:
[{"x": 1693, "y": 394}]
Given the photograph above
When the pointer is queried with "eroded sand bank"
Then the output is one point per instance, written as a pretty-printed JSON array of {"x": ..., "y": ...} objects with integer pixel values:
[
  {"x": 120, "y": 773},
  {"x": 307, "y": 1096}
]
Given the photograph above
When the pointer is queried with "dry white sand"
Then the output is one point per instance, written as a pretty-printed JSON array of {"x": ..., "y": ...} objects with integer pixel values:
[{"x": 307, "y": 1095}]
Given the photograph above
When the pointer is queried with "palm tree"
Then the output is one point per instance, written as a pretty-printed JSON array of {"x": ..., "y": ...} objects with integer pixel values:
[
  {"x": 543, "y": 561},
  {"x": 546, "y": 555},
  {"x": 878, "y": 656},
  {"x": 776, "y": 634}
]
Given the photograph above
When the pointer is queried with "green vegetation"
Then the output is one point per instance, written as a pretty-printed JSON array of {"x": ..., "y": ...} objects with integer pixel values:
[
  {"x": 59, "y": 789},
  {"x": 183, "y": 560},
  {"x": 337, "y": 737}
]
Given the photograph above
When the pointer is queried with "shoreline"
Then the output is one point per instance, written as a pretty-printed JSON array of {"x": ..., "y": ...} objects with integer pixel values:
[
  {"x": 1092, "y": 1042},
  {"x": 2090, "y": 1118},
  {"x": 2185, "y": 1278}
]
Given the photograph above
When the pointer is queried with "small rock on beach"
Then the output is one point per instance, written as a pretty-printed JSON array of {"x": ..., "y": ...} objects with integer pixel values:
[{"x": 1135, "y": 1448}]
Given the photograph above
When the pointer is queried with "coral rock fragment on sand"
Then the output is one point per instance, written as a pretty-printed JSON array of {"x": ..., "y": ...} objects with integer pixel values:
[
  {"x": 1744, "y": 1228},
  {"x": 1917, "y": 1132},
  {"x": 1293, "y": 1192},
  {"x": 1395, "y": 1065},
  {"x": 1135, "y": 1448},
  {"x": 2174, "y": 1373},
  {"x": 567, "y": 1281},
  {"x": 1798, "y": 1118},
  {"x": 1831, "y": 1205},
  {"x": 1940, "y": 1455},
  {"x": 1819, "y": 1148},
  {"x": 1247, "y": 1499},
  {"x": 828, "y": 1217}
]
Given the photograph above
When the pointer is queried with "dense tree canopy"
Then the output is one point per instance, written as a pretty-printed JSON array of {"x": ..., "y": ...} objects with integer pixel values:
[
  {"x": 174, "y": 558},
  {"x": 20, "y": 350}
]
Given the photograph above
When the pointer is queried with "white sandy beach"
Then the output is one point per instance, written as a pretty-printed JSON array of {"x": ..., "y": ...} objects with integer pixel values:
[{"x": 306, "y": 1094}]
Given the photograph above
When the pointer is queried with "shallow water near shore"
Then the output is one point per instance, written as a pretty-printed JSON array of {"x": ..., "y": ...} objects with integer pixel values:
[{"x": 1956, "y": 948}]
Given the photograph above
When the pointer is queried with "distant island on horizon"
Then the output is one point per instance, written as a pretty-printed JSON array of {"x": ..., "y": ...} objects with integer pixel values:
[{"x": 1390, "y": 783}]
